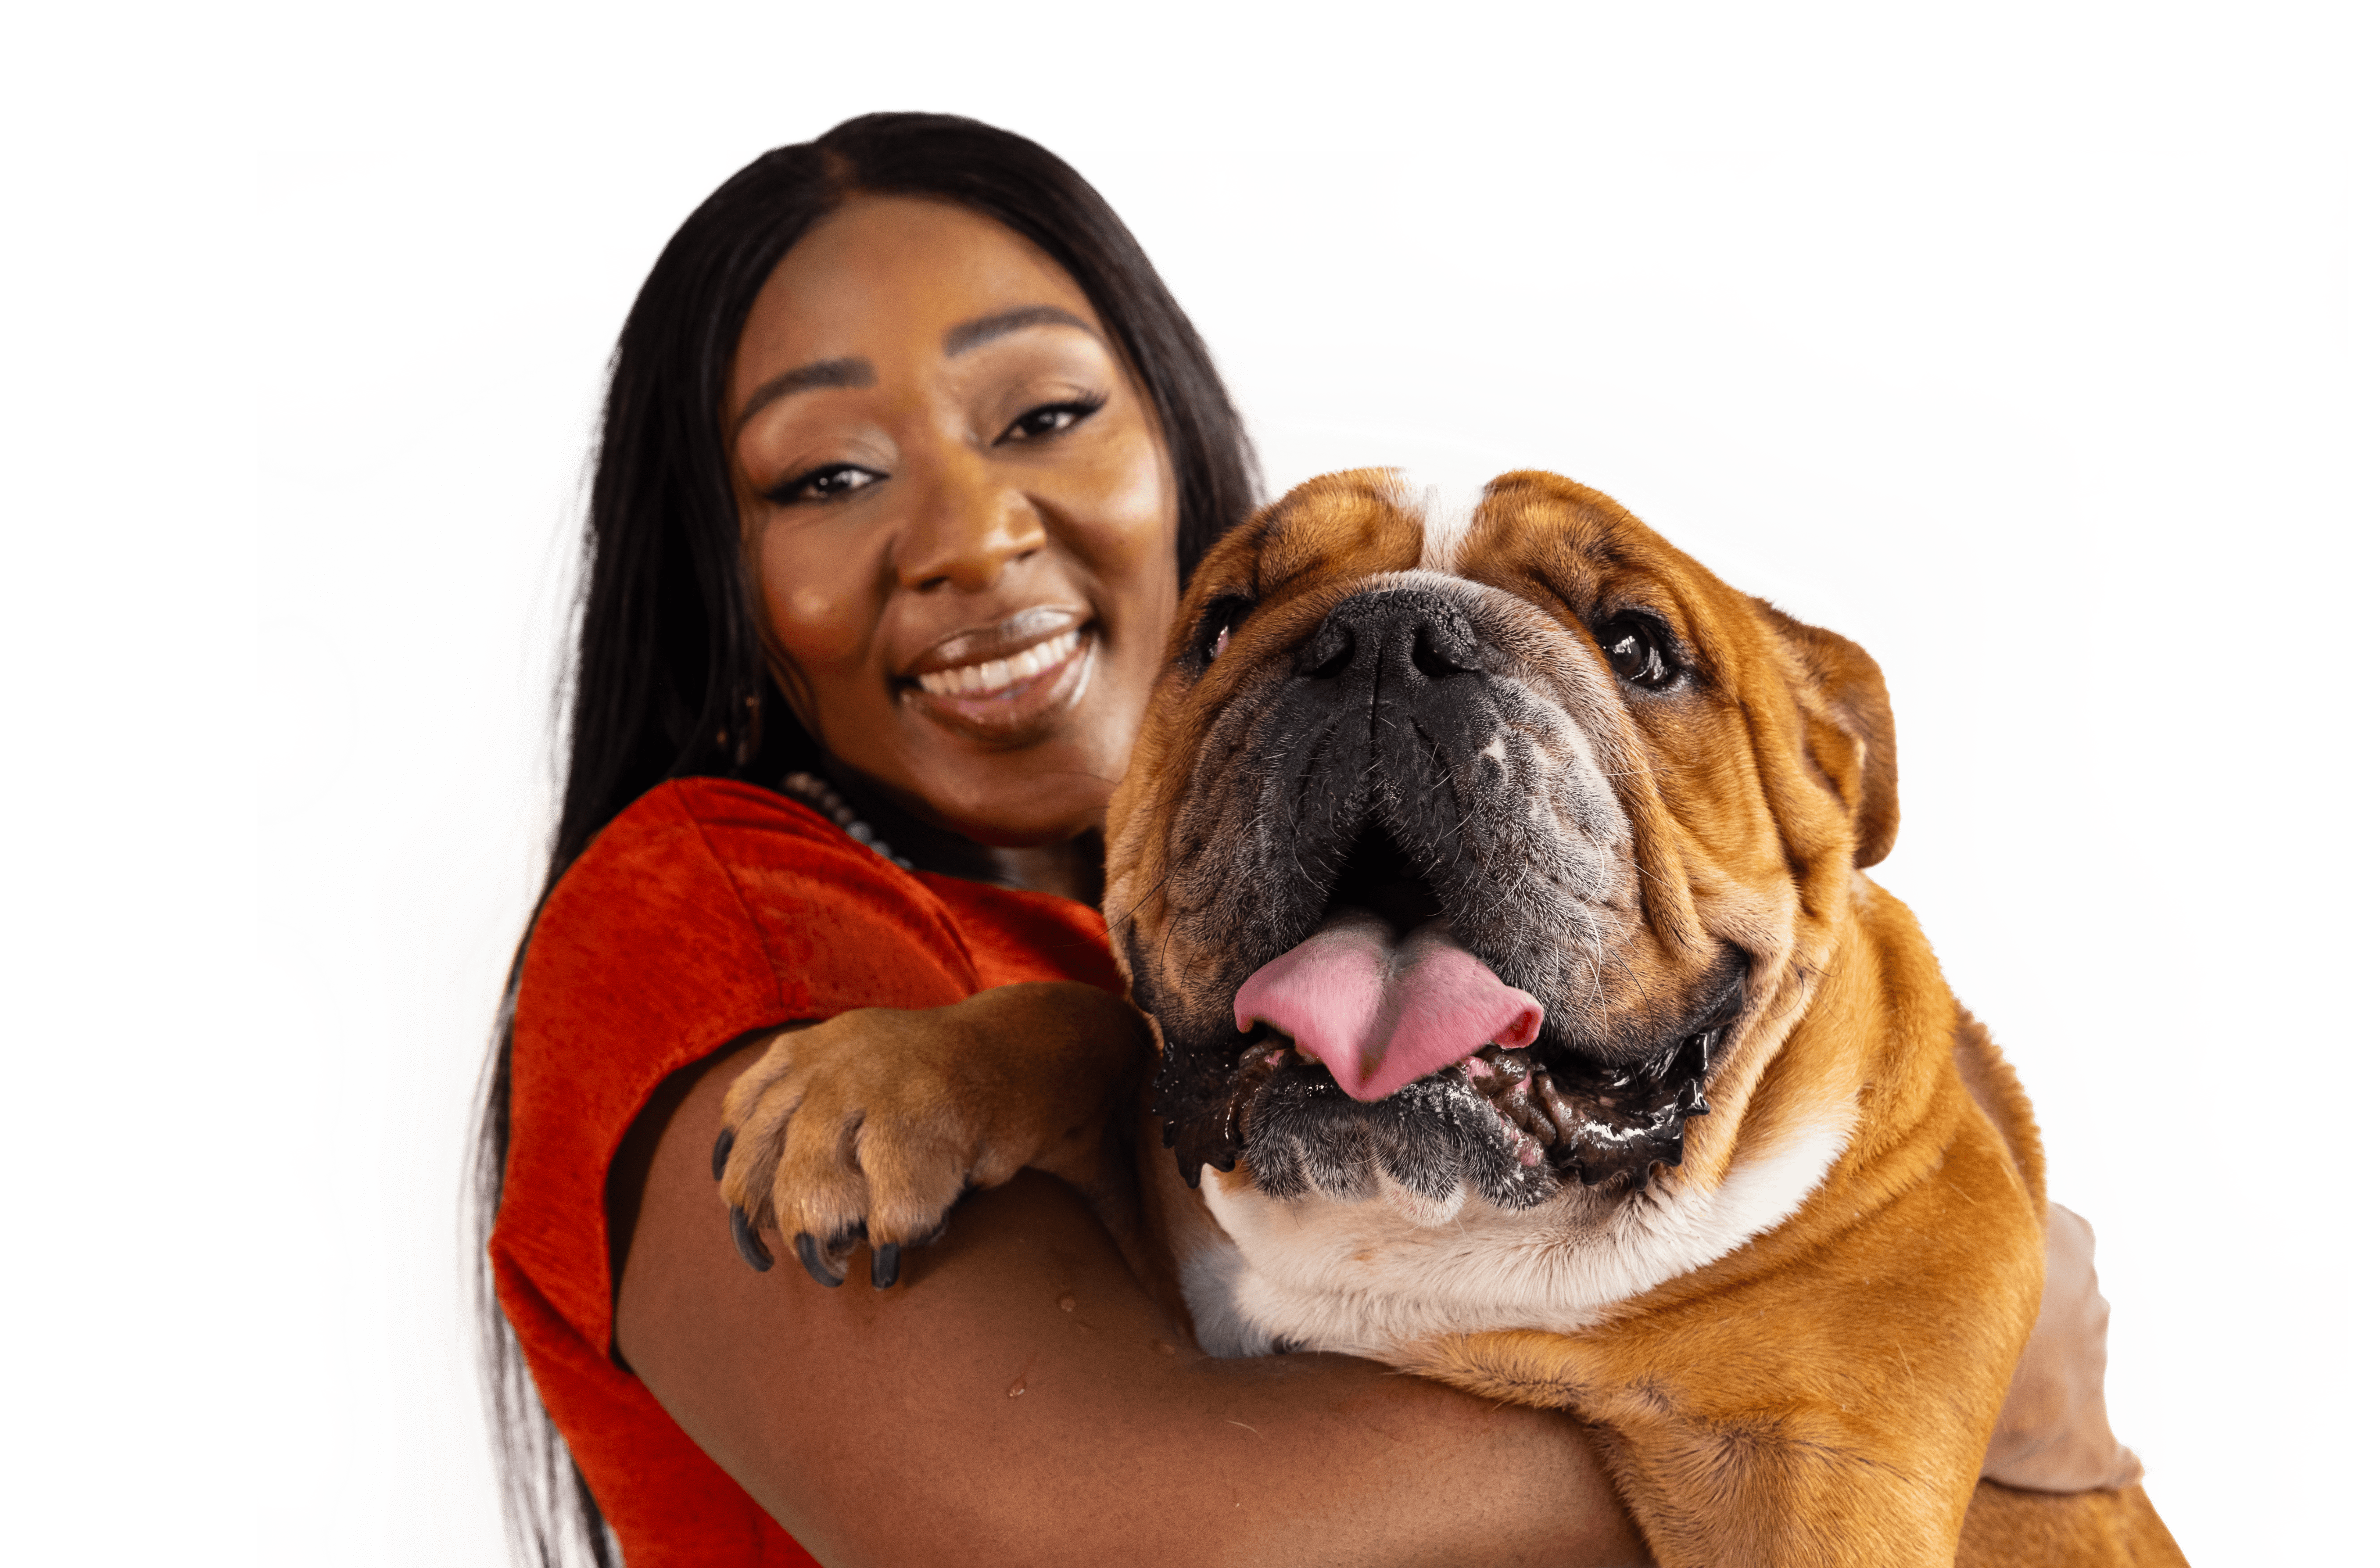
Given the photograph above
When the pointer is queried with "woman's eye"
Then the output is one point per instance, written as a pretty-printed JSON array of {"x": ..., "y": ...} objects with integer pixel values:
[
  {"x": 1051, "y": 418},
  {"x": 1634, "y": 651},
  {"x": 830, "y": 483}
]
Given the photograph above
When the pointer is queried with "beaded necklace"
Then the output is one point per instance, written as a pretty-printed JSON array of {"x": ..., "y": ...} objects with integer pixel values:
[{"x": 817, "y": 792}]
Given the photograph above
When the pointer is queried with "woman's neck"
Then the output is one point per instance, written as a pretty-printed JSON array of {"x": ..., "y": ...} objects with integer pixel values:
[{"x": 1074, "y": 867}]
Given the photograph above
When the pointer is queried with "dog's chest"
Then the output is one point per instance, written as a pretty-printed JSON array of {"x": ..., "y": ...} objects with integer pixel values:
[{"x": 1364, "y": 1277}]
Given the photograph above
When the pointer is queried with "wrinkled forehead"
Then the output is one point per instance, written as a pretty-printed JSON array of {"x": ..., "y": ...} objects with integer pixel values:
[
  {"x": 1341, "y": 525},
  {"x": 1574, "y": 552},
  {"x": 1550, "y": 539}
]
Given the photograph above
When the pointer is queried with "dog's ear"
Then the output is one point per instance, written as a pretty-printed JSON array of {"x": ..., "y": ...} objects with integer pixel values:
[{"x": 1849, "y": 730}]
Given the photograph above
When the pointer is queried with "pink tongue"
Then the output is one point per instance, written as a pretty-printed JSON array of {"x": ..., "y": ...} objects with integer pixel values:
[{"x": 1377, "y": 1015}]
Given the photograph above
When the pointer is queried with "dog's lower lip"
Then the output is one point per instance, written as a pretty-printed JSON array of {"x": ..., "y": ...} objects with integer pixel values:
[{"x": 1620, "y": 1126}]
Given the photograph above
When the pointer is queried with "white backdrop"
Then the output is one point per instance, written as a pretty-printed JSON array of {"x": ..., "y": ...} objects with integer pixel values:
[{"x": 2032, "y": 349}]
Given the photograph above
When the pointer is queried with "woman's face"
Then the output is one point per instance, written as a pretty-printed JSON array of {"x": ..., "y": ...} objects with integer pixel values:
[{"x": 959, "y": 513}]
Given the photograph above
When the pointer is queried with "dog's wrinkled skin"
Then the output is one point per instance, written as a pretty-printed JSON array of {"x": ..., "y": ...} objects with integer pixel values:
[{"x": 1760, "y": 1204}]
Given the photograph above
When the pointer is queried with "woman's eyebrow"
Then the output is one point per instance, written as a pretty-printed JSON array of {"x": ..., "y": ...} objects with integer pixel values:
[
  {"x": 825, "y": 372},
  {"x": 983, "y": 329}
]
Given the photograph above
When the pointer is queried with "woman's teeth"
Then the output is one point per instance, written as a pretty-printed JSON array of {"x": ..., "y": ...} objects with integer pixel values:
[{"x": 999, "y": 674}]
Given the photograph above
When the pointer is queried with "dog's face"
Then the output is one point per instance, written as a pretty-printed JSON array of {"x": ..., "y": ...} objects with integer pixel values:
[{"x": 1486, "y": 859}]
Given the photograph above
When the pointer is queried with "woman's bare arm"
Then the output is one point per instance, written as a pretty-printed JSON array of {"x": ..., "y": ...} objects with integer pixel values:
[
  {"x": 1019, "y": 1398},
  {"x": 2053, "y": 1434}
]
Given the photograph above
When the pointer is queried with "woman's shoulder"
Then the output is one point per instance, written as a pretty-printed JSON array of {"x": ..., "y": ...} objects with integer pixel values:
[
  {"x": 747, "y": 890},
  {"x": 712, "y": 906},
  {"x": 707, "y": 910}
]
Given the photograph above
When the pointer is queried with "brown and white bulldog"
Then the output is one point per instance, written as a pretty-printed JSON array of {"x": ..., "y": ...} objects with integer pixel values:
[{"x": 1527, "y": 1021}]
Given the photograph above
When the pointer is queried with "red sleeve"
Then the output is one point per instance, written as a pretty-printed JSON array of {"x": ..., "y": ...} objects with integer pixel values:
[
  {"x": 1015, "y": 936},
  {"x": 704, "y": 911}
]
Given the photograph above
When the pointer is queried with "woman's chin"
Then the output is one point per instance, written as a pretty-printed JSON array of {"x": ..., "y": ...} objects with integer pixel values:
[{"x": 1012, "y": 798}]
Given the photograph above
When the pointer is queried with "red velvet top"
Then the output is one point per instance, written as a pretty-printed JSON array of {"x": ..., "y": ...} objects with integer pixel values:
[{"x": 704, "y": 911}]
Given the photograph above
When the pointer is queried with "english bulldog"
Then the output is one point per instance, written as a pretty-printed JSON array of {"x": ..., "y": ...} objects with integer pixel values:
[{"x": 1497, "y": 894}]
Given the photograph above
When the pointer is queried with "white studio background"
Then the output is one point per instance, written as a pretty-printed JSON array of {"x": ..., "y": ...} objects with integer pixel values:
[{"x": 2032, "y": 348}]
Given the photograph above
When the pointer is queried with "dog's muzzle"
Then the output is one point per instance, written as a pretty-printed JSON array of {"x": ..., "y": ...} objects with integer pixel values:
[{"x": 1381, "y": 1029}]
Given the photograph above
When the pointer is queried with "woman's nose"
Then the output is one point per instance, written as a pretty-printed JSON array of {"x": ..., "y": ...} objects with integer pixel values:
[{"x": 965, "y": 532}]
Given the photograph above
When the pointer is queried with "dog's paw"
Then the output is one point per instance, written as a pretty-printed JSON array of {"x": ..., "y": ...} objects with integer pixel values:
[
  {"x": 870, "y": 1126},
  {"x": 839, "y": 1134}
]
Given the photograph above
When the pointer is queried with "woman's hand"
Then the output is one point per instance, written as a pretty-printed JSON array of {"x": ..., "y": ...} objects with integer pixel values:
[
  {"x": 874, "y": 1123},
  {"x": 2053, "y": 1434}
]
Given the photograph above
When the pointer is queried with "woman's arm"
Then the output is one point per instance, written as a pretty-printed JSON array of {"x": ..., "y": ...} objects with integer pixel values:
[
  {"x": 1021, "y": 1399},
  {"x": 2053, "y": 1434}
]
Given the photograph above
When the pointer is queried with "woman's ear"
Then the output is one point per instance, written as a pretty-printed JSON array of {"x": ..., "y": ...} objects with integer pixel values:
[{"x": 1848, "y": 720}]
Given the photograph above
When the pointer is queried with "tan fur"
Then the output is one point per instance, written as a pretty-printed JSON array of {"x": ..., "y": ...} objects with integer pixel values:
[{"x": 1824, "y": 1393}]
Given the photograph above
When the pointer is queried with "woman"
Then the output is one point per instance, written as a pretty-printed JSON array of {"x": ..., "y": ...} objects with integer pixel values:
[{"x": 905, "y": 451}]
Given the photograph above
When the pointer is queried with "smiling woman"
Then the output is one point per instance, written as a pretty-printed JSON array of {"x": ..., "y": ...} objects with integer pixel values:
[
  {"x": 961, "y": 523},
  {"x": 905, "y": 451}
]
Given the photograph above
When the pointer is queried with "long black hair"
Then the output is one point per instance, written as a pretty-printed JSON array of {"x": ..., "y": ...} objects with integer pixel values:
[{"x": 668, "y": 678}]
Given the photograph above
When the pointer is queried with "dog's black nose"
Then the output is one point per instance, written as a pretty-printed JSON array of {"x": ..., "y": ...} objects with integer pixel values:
[{"x": 1403, "y": 634}]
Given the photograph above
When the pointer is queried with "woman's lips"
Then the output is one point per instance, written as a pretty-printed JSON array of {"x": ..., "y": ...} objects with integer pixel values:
[
  {"x": 994, "y": 676},
  {"x": 1007, "y": 698},
  {"x": 987, "y": 643}
]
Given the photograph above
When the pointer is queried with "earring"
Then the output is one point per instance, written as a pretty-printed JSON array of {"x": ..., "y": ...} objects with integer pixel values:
[{"x": 749, "y": 741}]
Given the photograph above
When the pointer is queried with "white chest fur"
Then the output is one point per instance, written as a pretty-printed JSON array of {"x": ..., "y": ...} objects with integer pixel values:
[{"x": 1316, "y": 1273}]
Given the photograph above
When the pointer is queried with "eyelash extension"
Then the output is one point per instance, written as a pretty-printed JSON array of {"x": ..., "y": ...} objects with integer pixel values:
[
  {"x": 1081, "y": 408},
  {"x": 795, "y": 491}
]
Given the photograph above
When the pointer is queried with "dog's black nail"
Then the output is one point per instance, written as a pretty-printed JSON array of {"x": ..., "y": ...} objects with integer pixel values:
[
  {"x": 747, "y": 1241},
  {"x": 885, "y": 1267},
  {"x": 805, "y": 1247},
  {"x": 718, "y": 1148}
]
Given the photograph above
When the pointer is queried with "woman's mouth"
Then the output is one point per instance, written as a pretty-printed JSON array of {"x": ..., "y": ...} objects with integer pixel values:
[
  {"x": 1009, "y": 697},
  {"x": 998, "y": 678}
]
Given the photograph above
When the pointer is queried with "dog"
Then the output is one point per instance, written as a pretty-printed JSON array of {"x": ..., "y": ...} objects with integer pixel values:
[{"x": 1497, "y": 894}]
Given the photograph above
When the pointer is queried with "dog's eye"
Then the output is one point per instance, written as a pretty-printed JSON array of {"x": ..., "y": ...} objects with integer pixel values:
[
  {"x": 1214, "y": 633},
  {"x": 1634, "y": 646}
]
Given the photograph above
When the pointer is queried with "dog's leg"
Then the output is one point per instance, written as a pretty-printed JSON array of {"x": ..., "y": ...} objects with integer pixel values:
[{"x": 872, "y": 1123}]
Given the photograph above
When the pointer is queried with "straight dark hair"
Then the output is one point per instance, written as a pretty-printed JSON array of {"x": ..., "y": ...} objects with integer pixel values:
[{"x": 668, "y": 679}]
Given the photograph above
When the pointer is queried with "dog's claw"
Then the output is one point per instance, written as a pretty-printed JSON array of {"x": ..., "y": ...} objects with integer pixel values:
[
  {"x": 719, "y": 1149},
  {"x": 884, "y": 1265},
  {"x": 805, "y": 1247},
  {"x": 747, "y": 1241}
]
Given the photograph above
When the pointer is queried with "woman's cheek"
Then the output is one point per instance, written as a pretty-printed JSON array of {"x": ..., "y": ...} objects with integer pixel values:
[
  {"x": 1122, "y": 492},
  {"x": 820, "y": 619}
]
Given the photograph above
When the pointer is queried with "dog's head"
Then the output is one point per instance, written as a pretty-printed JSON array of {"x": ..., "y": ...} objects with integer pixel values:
[{"x": 1486, "y": 856}]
